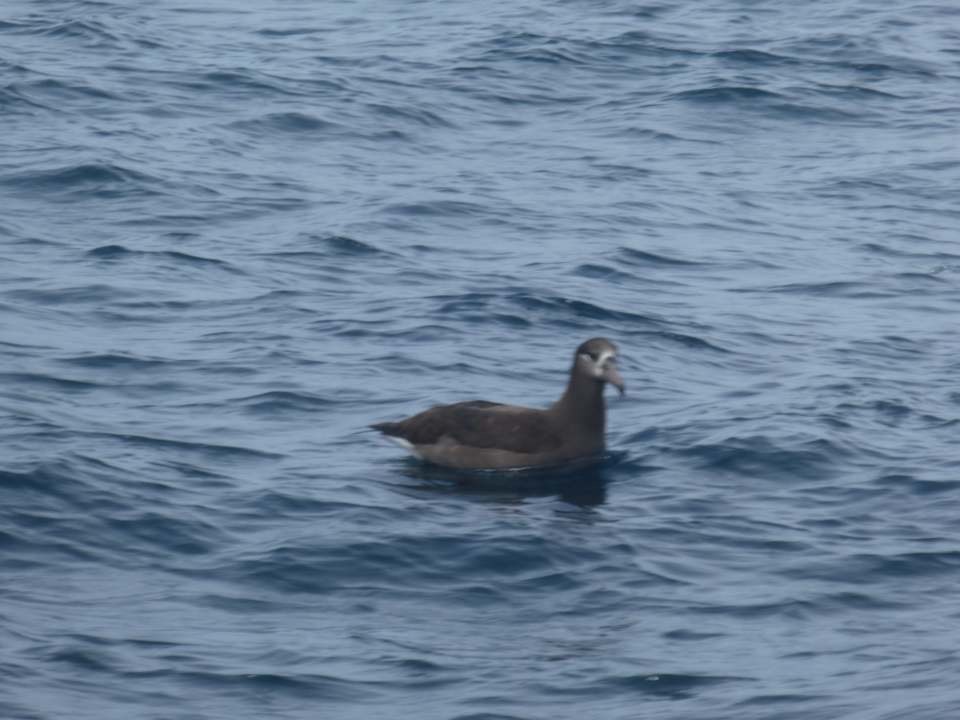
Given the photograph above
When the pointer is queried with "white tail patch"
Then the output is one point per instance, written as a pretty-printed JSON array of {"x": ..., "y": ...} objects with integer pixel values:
[{"x": 405, "y": 444}]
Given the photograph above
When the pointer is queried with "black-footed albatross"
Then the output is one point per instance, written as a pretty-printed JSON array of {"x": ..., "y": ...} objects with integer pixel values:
[{"x": 482, "y": 435}]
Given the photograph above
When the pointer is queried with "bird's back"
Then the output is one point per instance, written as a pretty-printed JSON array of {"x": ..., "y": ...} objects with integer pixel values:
[{"x": 479, "y": 424}]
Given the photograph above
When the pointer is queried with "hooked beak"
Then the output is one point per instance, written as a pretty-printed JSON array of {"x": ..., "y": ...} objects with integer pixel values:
[{"x": 612, "y": 376}]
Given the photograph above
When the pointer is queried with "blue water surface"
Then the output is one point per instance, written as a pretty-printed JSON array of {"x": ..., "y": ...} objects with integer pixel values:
[{"x": 234, "y": 233}]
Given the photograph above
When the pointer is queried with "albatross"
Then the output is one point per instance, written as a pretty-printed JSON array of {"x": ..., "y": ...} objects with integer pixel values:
[{"x": 483, "y": 435}]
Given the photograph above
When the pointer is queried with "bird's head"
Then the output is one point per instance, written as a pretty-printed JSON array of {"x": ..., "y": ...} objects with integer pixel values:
[{"x": 597, "y": 358}]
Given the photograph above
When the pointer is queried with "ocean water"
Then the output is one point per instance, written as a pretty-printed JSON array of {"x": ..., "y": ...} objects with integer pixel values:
[{"x": 232, "y": 234}]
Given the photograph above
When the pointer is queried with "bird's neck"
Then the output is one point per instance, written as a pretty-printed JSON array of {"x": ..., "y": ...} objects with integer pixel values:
[{"x": 582, "y": 404}]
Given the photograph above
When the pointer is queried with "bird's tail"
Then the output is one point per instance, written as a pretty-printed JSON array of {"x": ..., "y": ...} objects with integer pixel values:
[{"x": 387, "y": 428}]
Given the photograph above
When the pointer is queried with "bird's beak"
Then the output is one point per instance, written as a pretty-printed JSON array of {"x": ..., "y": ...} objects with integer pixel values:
[{"x": 612, "y": 376}]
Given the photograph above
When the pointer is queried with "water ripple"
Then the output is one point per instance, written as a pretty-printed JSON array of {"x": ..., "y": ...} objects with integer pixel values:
[{"x": 234, "y": 236}]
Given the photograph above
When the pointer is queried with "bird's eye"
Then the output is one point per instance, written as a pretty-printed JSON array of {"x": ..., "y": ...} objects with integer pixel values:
[{"x": 593, "y": 356}]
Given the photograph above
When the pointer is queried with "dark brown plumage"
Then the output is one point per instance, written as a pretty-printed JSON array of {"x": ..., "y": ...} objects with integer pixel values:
[{"x": 485, "y": 435}]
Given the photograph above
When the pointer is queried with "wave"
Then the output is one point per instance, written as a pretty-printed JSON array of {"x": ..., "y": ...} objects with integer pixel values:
[
  {"x": 290, "y": 122},
  {"x": 760, "y": 457},
  {"x": 116, "y": 253},
  {"x": 95, "y": 180},
  {"x": 641, "y": 258}
]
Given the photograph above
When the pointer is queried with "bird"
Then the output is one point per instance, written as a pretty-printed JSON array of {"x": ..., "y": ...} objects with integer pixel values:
[{"x": 484, "y": 435}]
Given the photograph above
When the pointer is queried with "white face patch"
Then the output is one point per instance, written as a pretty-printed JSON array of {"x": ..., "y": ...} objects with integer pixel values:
[{"x": 598, "y": 366}]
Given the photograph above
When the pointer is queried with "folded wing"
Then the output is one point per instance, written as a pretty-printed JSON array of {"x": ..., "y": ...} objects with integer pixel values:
[{"x": 478, "y": 424}]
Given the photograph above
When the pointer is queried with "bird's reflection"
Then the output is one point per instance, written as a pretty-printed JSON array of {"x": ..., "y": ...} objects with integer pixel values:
[{"x": 582, "y": 484}]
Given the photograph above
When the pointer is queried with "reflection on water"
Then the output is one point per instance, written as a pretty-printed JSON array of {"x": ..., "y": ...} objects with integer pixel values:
[{"x": 582, "y": 483}]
